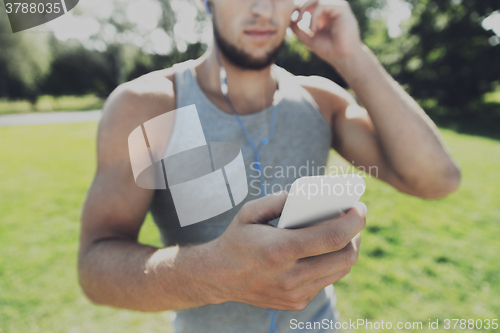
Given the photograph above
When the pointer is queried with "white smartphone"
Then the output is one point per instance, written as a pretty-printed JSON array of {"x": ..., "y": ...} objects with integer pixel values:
[{"x": 320, "y": 199}]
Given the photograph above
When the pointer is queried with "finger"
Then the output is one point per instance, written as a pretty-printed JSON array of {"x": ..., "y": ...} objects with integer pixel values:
[
  {"x": 294, "y": 16},
  {"x": 307, "y": 6},
  {"x": 297, "y": 5},
  {"x": 315, "y": 17},
  {"x": 323, "y": 282},
  {"x": 322, "y": 13},
  {"x": 313, "y": 268},
  {"x": 330, "y": 237},
  {"x": 302, "y": 35},
  {"x": 264, "y": 209},
  {"x": 307, "y": 292},
  {"x": 357, "y": 241}
]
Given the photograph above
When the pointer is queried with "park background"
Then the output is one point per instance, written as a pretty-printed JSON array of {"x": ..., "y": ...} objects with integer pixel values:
[{"x": 419, "y": 259}]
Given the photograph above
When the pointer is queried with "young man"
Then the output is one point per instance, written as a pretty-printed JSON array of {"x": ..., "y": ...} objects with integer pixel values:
[{"x": 221, "y": 275}]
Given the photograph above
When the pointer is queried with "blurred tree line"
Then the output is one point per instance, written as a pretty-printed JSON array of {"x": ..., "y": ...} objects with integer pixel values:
[{"x": 445, "y": 57}]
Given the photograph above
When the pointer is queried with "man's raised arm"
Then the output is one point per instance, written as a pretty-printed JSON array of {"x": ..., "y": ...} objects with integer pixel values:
[{"x": 395, "y": 135}]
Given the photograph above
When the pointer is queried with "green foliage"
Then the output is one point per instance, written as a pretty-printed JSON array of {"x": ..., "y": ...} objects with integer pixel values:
[
  {"x": 419, "y": 259},
  {"x": 361, "y": 8},
  {"x": 167, "y": 20},
  {"x": 24, "y": 60},
  {"x": 450, "y": 58},
  {"x": 147, "y": 63},
  {"x": 76, "y": 70}
]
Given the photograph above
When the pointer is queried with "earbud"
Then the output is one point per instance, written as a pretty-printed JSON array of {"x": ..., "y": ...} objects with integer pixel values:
[{"x": 207, "y": 7}]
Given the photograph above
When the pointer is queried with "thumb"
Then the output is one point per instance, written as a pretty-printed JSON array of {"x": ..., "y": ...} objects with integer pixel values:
[
  {"x": 302, "y": 35},
  {"x": 361, "y": 208},
  {"x": 263, "y": 210}
]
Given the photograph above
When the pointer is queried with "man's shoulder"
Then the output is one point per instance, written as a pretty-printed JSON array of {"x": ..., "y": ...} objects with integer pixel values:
[
  {"x": 134, "y": 102},
  {"x": 328, "y": 95},
  {"x": 321, "y": 87},
  {"x": 150, "y": 90}
]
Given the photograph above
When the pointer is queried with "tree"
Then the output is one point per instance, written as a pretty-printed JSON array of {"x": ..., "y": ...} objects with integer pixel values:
[
  {"x": 121, "y": 30},
  {"x": 24, "y": 60},
  {"x": 451, "y": 61},
  {"x": 76, "y": 70}
]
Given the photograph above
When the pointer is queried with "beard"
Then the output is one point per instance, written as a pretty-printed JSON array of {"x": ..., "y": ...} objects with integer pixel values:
[{"x": 241, "y": 58}]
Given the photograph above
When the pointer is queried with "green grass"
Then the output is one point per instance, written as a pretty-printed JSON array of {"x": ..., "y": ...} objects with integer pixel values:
[
  {"x": 44, "y": 174},
  {"x": 424, "y": 260},
  {"x": 49, "y": 103},
  {"x": 419, "y": 259}
]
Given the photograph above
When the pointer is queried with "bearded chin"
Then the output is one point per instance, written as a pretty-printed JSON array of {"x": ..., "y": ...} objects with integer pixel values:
[{"x": 239, "y": 57}]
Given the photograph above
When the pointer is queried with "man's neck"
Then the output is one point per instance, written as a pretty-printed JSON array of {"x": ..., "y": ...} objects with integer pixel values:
[{"x": 249, "y": 90}]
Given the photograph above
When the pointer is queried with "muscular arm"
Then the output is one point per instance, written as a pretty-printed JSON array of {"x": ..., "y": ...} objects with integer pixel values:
[
  {"x": 395, "y": 135},
  {"x": 410, "y": 150},
  {"x": 392, "y": 138},
  {"x": 114, "y": 269}
]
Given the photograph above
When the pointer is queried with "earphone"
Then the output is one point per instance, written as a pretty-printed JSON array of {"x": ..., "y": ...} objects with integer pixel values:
[
  {"x": 256, "y": 150},
  {"x": 207, "y": 7}
]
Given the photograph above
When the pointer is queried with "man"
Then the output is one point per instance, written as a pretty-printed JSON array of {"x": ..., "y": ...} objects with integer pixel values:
[{"x": 221, "y": 275}]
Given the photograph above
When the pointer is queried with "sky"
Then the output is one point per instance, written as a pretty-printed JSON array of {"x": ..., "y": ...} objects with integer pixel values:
[{"x": 87, "y": 23}]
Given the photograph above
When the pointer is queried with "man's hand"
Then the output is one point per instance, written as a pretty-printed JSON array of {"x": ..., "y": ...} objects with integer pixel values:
[
  {"x": 282, "y": 268},
  {"x": 334, "y": 31}
]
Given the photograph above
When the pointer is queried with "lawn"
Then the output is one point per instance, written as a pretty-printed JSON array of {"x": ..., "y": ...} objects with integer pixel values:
[
  {"x": 48, "y": 103},
  {"x": 419, "y": 259}
]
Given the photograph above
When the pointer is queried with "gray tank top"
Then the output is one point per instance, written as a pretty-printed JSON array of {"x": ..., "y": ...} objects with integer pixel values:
[{"x": 299, "y": 148}]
